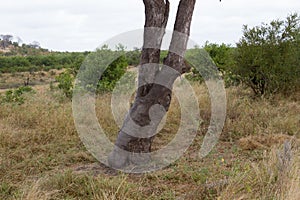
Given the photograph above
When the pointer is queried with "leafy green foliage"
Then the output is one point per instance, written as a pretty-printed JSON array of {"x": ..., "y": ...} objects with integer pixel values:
[
  {"x": 194, "y": 56},
  {"x": 223, "y": 57},
  {"x": 212, "y": 54},
  {"x": 10, "y": 64},
  {"x": 163, "y": 55},
  {"x": 15, "y": 96},
  {"x": 101, "y": 70},
  {"x": 133, "y": 57},
  {"x": 205, "y": 60},
  {"x": 112, "y": 74},
  {"x": 268, "y": 56},
  {"x": 65, "y": 83}
]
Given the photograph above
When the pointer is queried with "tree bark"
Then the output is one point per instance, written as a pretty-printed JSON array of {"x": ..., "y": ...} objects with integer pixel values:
[{"x": 154, "y": 93}]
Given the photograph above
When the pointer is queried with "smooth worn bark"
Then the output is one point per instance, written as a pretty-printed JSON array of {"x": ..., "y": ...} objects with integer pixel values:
[{"x": 154, "y": 94}]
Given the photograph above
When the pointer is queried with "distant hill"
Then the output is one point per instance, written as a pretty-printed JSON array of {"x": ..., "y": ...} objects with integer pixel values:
[{"x": 13, "y": 46}]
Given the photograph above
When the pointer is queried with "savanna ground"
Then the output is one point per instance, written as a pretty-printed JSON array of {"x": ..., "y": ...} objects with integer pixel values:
[{"x": 257, "y": 157}]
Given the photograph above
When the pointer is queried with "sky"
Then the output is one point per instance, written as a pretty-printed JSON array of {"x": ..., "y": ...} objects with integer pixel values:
[{"x": 83, "y": 25}]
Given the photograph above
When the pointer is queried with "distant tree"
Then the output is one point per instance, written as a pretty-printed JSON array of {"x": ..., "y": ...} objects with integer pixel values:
[
  {"x": 35, "y": 45},
  {"x": 268, "y": 56},
  {"x": 5, "y": 40},
  {"x": 15, "y": 44},
  {"x": 120, "y": 47}
]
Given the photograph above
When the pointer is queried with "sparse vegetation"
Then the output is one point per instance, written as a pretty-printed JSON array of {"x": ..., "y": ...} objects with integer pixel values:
[
  {"x": 42, "y": 156},
  {"x": 16, "y": 95},
  {"x": 257, "y": 157}
]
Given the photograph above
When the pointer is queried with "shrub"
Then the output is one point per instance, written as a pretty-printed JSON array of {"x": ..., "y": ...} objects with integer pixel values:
[
  {"x": 203, "y": 67},
  {"x": 223, "y": 57},
  {"x": 268, "y": 56},
  {"x": 112, "y": 75},
  {"x": 99, "y": 74},
  {"x": 133, "y": 57},
  {"x": 217, "y": 55},
  {"x": 15, "y": 96},
  {"x": 65, "y": 83}
]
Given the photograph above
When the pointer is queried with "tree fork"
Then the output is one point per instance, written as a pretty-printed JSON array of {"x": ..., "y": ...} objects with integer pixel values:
[{"x": 149, "y": 94}]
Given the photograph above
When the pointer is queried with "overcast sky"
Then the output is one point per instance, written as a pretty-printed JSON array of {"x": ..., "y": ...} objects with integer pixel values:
[{"x": 78, "y": 25}]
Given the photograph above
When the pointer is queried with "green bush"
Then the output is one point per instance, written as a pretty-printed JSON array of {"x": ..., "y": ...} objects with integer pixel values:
[
  {"x": 93, "y": 66},
  {"x": 133, "y": 57},
  {"x": 65, "y": 83},
  {"x": 99, "y": 74},
  {"x": 268, "y": 56},
  {"x": 203, "y": 67},
  {"x": 220, "y": 56},
  {"x": 112, "y": 75},
  {"x": 223, "y": 57},
  {"x": 15, "y": 96}
]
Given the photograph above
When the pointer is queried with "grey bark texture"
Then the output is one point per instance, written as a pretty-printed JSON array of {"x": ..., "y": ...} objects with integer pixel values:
[{"x": 151, "y": 97}]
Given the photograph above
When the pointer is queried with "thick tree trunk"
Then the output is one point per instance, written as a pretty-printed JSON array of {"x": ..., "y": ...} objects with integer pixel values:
[{"x": 155, "y": 85}]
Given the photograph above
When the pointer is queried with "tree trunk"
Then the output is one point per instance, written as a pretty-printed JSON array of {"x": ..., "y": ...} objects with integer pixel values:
[{"x": 154, "y": 94}]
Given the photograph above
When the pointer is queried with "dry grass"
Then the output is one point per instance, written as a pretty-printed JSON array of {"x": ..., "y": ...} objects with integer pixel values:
[
  {"x": 36, "y": 79},
  {"x": 68, "y": 185},
  {"x": 276, "y": 177},
  {"x": 40, "y": 152}
]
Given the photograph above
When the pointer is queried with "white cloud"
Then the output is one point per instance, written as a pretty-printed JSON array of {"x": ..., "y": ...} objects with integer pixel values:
[{"x": 83, "y": 25}]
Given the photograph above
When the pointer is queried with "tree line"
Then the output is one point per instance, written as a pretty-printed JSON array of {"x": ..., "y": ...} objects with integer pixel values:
[
  {"x": 11, "y": 64},
  {"x": 266, "y": 59}
]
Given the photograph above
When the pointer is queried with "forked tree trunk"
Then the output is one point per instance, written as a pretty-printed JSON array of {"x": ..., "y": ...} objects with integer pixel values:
[{"x": 150, "y": 94}]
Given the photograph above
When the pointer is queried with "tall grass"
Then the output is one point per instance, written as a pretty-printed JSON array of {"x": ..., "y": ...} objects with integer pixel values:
[{"x": 41, "y": 154}]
